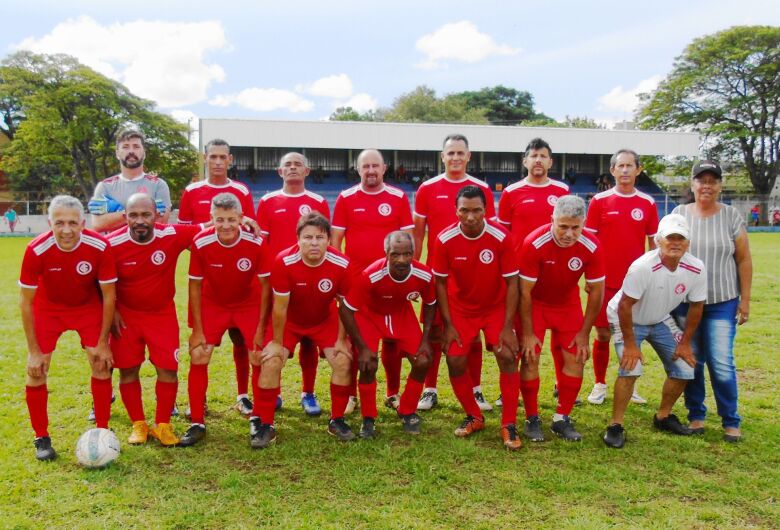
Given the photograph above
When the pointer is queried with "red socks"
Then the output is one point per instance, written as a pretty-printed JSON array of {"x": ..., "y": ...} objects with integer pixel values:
[
  {"x": 101, "y": 397},
  {"x": 475, "y": 362},
  {"x": 600, "y": 360},
  {"x": 367, "y": 399},
  {"x": 37, "y": 400},
  {"x": 410, "y": 397},
  {"x": 568, "y": 388},
  {"x": 530, "y": 391},
  {"x": 432, "y": 377},
  {"x": 131, "y": 397},
  {"x": 265, "y": 400},
  {"x": 166, "y": 397},
  {"x": 197, "y": 385},
  {"x": 391, "y": 360},
  {"x": 339, "y": 395},
  {"x": 241, "y": 360},
  {"x": 309, "y": 358},
  {"x": 510, "y": 393},
  {"x": 463, "y": 389}
]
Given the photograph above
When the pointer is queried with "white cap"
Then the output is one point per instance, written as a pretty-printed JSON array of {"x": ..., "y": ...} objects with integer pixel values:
[{"x": 674, "y": 223}]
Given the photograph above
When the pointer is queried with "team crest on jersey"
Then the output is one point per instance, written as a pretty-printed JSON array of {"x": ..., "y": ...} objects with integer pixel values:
[
  {"x": 413, "y": 296},
  {"x": 679, "y": 288},
  {"x": 552, "y": 199},
  {"x": 142, "y": 189},
  {"x": 385, "y": 209},
  {"x": 637, "y": 214},
  {"x": 575, "y": 264},
  {"x": 486, "y": 256},
  {"x": 304, "y": 209},
  {"x": 325, "y": 285},
  {"x": 84, "y": 268},
  {"x": 158, "y": 257},
  {"x": 244, "y": 264}
]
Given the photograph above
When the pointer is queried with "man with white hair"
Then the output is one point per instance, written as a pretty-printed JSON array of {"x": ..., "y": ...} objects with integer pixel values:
[
  {"x": 67, "y": 282},
  {"x": 655, "y": 284}
]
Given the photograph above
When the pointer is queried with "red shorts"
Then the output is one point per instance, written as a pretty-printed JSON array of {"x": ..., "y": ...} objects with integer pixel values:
[
  {"x": 323, "y": 335},
  {"x": 49, "y": 325},
  {"x": 402, "y": 328},
  {"x": 156, "y": 330},
  {"x": 564, "y": 321},
  {"x": 217, "y": 320},
  {"x": 468, "y": 327},
  {"x": 601, "y": 319}
]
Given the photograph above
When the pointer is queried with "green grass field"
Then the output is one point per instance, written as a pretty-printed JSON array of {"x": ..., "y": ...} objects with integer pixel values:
[{"x": 308, "y": 480}]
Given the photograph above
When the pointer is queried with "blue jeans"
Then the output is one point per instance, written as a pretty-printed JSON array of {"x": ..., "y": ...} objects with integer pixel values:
[
  {"x": 715, "y": 340},
  {"x": 663, "y": 337}
]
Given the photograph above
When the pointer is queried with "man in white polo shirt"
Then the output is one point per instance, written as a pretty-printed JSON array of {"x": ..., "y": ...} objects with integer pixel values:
[{"x": 655, "y": 284}]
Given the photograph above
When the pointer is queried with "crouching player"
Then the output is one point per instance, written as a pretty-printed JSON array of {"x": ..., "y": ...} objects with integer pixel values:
[
  {"x": 67, "y": 282},
  {"x": 379, "y": 306},
  {"x": 228, "y": 289},
  {"x": 307, "y": 278}
]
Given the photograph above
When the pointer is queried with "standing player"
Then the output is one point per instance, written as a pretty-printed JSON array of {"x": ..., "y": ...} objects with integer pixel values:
[
  {"x": 528, "y": 204},
  {"x": 67, "y": 282},
  {"x": 552, "y": 260},
  {"x": 225, "y": 293},
  {"x": 365, "y": 214},
  {"x": 145, "y": 317},
  {"x": 433, "y": 209},
  {"x": 476, "y": 289},
  {"x": 307, "y": 279},
  {"x": 195, "y": 207},
  {"x": 622, "y": 218},
  {"x": 278, "y": 214},
  {"x": 110, "y": 197},
  {"x": 379, "y": 306}
]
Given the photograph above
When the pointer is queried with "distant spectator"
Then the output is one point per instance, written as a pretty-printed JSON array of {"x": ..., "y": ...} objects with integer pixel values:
[
  {"x": 426, "y": 174},
  {"x": 776, "y": 217},
  {"x": 400, "y": 173},
  {"x": 352, "y": 175},
  {"x": 11, "y": 218},
  {"x": 319, "y": 175},
  {"x": 571, "y": 175},
  {"x": 233, "y": 173},
  {"x": 251, "y": 173},
  {"x": 755, "y": 211}
]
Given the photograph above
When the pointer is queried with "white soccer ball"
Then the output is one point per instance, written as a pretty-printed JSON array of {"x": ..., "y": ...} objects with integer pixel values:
[{"x": 97, "y": 448}]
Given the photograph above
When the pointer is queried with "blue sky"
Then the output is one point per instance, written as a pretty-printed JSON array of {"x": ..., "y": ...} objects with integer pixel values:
[{"x": 299, "y": 60}]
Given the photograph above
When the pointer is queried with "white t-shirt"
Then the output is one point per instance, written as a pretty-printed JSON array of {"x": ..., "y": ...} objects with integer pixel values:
[{"x": 659, "y": 290}]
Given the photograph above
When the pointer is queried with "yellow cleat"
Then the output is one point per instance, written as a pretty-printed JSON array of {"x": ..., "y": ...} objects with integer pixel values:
[
  {"x": 164, "y": 433},
  {"x": 140, "y": 433}
]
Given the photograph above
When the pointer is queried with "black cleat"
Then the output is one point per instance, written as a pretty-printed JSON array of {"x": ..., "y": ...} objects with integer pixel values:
[
  {"x": 261, "y": 435},
  {"x": 564, "y": 429},
  {"x": 194, "y": 434},
  {"x": 411, "y": 423},
  {"x": 671, "y": 424},
  {"x": 615, "y": 436},
  {"x": 43, "y": 449},
  {"x": 339, "y": 428},
  {"x": 533, "y": 429},
  {"x": 367, "y": 430}
]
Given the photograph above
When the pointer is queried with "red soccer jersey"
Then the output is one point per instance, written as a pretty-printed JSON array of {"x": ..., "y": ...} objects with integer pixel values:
[
  {"x": 312, "y": 290},
  {"x": 195, "y": 204},
  {"x": 67, "y": 279},
  {"x": 367, "y": 218},
  {"x": 475, "y": 268},
  {"x": 524, "y": 207},
  {"x": 621, "y": 222},
  {"x": 278, "y": 214},
  {"x": 229, "y": 273},
  {"x": 557, "y": 270},
  {"x": 147, "y": 271},
  {"x": 435, "y": 201},
  {"x": 376, "y": 291}
]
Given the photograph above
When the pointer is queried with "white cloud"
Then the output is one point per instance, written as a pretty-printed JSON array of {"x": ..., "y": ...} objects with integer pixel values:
[
  {"x": 458, "y": 41},
  {"x": 334, "y": 86},
  {"x": 161, "y": 61},
  {"x": 264, "y": 100},
  {"x": 626, "y": 100},
  {"x": 187, "y": 117},
  {"x": 360, "y": 102}
]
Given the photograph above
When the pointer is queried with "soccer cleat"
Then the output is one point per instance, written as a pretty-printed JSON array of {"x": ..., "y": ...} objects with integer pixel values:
[
  {"x": 339, "y": 428},
  {"x": 392, "y": 402},
  {"x": 194, "y": 434},
  {"x": 279, "y": 402},
  {"x": 732, "y": 438},
  {"x": 484, "y": 406},
  {"x": 428, "y": 400},
  {"x": 509, "y": 435},
  {"x": 43, "y": 449},
  {"x": 499, "y": 402},
  {"x": 351, "y": 405},
  {"x": 310, "y": 405},
  {"x": 139, "y": 434},
  {"x": 565, "y": 430},
  {"x": 615, "y": 436},
  {"x": 469, "y": 426},
  {"x": 411, "y": 423},
  {"x": 598, "y": 394},
  {"x": 637, "y": 399},
  {"x": 671, "y": 424},
  {"x": 261, "y": 435},
  {"x": 175, "y": 411},
  {"x": 368, "y": 430},
  {"x": 91, "y": 415},
  {"x": 163, "y": 433},
  {"x": 533, "y": 429},
  {"x": 243, "y": 405}
]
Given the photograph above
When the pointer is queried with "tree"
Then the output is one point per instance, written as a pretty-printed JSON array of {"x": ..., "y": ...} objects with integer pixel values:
[
  {"x": 350, "y": 114},
  {"x": 422, "y": 106},
  {"x": 503, "y": 105},
  {"x": 726, "y": 86}
]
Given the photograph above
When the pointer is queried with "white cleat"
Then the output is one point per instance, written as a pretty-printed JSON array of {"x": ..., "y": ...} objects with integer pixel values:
[
  {"x": 351, "y": 405},
  {"x": 598, "y": 394},
  {"x": 636, "y": 398},
  {"x": 484, "y": 406}
]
